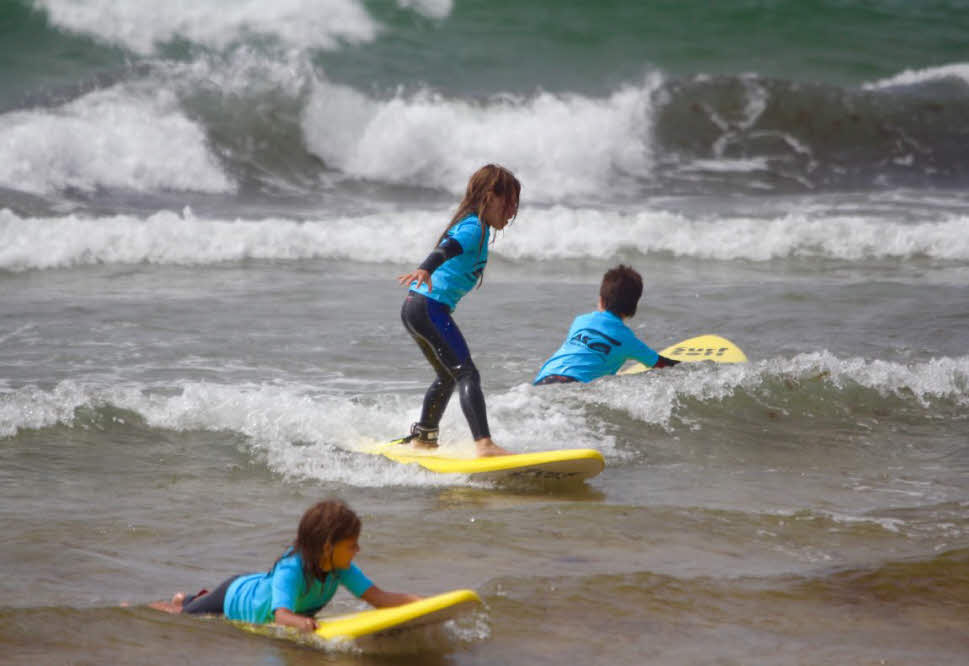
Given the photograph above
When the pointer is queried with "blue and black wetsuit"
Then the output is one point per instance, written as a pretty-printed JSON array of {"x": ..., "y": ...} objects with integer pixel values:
[
  {"x": 455, "y": 267},
  {"x": 256, "y": 597}
]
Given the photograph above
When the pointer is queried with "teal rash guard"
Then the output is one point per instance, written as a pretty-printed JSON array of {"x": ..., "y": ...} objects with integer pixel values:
[
  {"x": 598, "y": 343},
  {"x": 256, "y": 597},
  {"x": 464, "y": 251}
]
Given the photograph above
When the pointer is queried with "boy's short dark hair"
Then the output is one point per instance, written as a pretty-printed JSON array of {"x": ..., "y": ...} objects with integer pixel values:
[{"x": 620, "y": 290}]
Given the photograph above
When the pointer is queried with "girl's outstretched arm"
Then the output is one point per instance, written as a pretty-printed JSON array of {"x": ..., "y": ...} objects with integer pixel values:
[
  {"x": 420, "y": 276},
  {"x": 448, "y": 249},
  {"x": 381, "y": 599}
]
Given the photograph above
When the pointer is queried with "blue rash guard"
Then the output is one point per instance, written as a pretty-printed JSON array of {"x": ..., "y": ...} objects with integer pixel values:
[
  {"x": 598, "y": 344},
  {"x": 458, "y": 275},
  {"x": 255, "y": 597}
]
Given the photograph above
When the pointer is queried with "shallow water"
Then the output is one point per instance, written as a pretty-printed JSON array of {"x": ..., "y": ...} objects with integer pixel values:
[
  {"x": 165, "y": 437},
  {"x": 200, "y": 229}
]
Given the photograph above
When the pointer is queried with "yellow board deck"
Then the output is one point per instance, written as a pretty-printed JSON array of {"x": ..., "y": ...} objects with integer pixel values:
[
  {"x": 431, "y": 610},
  {"x": 557, "y": 465},
  {"x": 379, "y": 621},
  {"x": 701, "y": 348}
]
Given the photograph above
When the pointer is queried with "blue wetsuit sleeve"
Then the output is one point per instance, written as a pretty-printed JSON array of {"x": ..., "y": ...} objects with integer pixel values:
[
  {"x": 644, "y": 353},
  {"x": 287, "y": 579},
  {"x": 448, "y": 249},
  {"x": 355, "y": 580}
]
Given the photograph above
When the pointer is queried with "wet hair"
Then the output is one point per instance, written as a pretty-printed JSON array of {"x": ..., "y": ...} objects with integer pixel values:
[
  {"x": 488, "y": 181},
  {"x": 323, "y": 523},
  {"x": 620, "y": 290}
]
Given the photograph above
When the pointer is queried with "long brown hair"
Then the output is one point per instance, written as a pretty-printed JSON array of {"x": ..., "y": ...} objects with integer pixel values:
[
  {"x": 488, "y": 181},
  {"x": 323, "y": 523}
]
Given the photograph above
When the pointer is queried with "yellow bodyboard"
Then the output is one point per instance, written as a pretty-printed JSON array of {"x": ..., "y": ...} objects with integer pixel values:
[
  {"x": 557, "y": 465},
  {"x": 701, "y": 348},
  {"x": 431, "y": 610}
]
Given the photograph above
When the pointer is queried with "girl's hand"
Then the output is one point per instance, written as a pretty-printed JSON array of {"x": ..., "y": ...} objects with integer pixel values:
[
  {"x": 382, "y": 599},
  {"x": 288, "y": 618},
  {"x": 420, "y": 276}
]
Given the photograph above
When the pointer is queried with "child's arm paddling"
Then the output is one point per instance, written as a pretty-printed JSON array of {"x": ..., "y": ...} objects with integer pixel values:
[
  {"x": 382, "y": 599},
  {"x": 375, "y": 596}
]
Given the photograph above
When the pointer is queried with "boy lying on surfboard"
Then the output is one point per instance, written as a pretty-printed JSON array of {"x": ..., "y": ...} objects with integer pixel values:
[{"x": 598, "y": 343}]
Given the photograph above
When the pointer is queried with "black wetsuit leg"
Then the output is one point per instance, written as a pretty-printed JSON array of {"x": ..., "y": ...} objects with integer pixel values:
[
  {"x": 441, "y": 341},
  {"x": 210, "y": 603}
]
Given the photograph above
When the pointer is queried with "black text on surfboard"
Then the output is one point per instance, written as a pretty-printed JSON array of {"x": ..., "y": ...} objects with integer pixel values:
[{"x": 705, "y": 352}]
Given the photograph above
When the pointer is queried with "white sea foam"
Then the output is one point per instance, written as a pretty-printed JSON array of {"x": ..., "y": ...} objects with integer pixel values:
[
  {"x": 141, "y": 26},
  {"x": 916, "y": 76},
  {"x": 116, "y": 138},
  {"x": 565, "y": 233},
  {"x": 30, "y": 408},
  {"x": 295, "y": 434},
  {"x": 138, "y": 136},
  {"x": 936, "y": 379},
  {"x": 437, "y": 9},
  {"x": 538, "y": 235},
  {"x": 888, "y": 524},
  {"x": 171, "y": 238},
  {"x": 656, "y": 402},
  {"x": 298, "y": 433},
  {"x": 561, "y": 146},
  {"x": 725, "y": 165},
  {"x": 242, "y": 74}
]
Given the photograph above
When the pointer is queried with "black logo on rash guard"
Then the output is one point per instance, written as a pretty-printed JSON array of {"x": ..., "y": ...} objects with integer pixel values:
[{"x": 595, "y": 340}]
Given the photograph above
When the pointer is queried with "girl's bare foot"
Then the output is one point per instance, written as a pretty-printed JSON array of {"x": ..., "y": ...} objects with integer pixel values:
[
  {"x": 421, "y": 444},
  {"x": 486, "y": 448},
  {"x": 174, "y": 606}
]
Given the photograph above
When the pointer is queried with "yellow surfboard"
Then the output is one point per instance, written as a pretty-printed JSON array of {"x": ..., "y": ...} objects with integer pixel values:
[
  {"x": 431, "y": 610},
  {"x": 557, "y": 465},
  {"x": 379, "y": 621},
  {"x": 701, "y": 348}
]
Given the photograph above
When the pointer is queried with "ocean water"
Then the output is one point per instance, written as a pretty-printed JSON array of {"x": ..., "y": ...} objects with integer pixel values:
[{"x": 203, "y": 209}]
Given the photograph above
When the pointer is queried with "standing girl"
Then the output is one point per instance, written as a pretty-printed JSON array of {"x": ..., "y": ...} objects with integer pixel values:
[
  {"x": 302, "y": 580},
  {"x": 448, "y": 273}
]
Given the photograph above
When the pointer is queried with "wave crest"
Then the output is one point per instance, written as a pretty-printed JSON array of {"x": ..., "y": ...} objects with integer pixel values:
[
  {"x": 141, "y": 26},
  {"x": 112, "y": 138},
  {"x": 556, "y": 234},
  {"x": 560, "y": 146}
]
